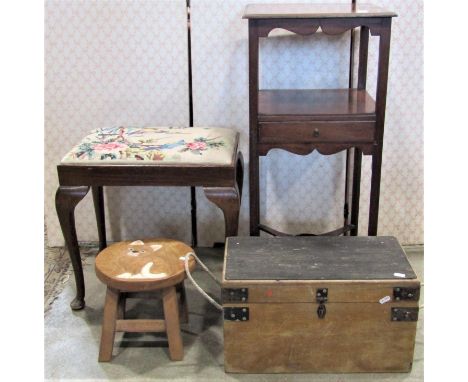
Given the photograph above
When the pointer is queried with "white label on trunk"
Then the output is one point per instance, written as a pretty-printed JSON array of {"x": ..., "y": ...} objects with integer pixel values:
[
  {"x": 402, "y": 275},
  {"x": 385, "y": 299}
]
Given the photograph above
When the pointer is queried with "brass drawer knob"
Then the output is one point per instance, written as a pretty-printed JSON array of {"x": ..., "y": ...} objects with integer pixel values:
[{"x": 316, "y": 132}]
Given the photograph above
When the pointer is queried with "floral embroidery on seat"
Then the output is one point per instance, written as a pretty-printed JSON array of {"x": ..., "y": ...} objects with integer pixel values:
[
  {"x": 201, "y": 144},
  {"x": 152, "y": 144}
]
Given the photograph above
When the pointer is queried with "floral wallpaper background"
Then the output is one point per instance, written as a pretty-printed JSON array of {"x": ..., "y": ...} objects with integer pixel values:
[{"x": 125, "y": 63}]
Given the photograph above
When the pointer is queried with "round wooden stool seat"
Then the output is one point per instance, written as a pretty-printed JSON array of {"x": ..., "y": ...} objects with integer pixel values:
[
  {"x": 139, "y": 266},
  {"x": 142, "y": 265}
]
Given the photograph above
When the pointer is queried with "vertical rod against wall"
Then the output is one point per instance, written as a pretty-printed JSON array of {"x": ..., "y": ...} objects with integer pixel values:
[
  {"x": 189, "y": 50},
  {"x": 351, "y": 51},
  {"x": 349, "y": 152},
  {"x": 193, "y": 195}
]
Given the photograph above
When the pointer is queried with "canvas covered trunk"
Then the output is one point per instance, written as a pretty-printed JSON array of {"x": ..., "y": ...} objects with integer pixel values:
[{"x": 318, "y": 304}]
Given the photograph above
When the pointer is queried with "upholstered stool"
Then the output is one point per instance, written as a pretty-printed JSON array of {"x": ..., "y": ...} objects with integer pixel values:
[
  {"x": 192, "y": 157},
  {"x": 143, "y": 266}
]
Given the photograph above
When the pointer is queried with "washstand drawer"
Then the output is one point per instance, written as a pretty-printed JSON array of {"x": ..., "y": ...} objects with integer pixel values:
[{"x": 318, "y": 131}]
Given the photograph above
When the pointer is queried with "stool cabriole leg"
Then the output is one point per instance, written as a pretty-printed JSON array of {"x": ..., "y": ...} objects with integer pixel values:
[
  {"x": 108, "y": 324},
  {"x": 66, "y": 200},
  {"x": 228, "y": 200},
  {"x": 171, "y": 318}
]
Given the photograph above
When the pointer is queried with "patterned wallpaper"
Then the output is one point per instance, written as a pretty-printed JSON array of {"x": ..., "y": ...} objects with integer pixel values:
[
  {"x": 114, "y": 63},
  {"x": 122, "y": 62}
]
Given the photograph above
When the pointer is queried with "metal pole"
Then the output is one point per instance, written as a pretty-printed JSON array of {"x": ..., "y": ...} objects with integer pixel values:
[{"x": 193, "y": 195}]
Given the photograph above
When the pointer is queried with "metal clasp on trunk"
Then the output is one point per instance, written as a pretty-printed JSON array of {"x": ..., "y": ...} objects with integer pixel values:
[
  {"x": 321, "y": 296},
  {"x": 235, "y": 294},
  {"x": 405, "y": 314},
  {"x": 234, "y": 313},
  {"x": 405, "y": 293},
  {"x": 321, "y": 311}
]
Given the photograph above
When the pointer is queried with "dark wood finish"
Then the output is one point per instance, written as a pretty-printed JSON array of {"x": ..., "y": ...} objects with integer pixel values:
[
  {"x": 356, "y": 191},
  {"x": 347, "y": 194},
  {"x": 363, "y": 55},
  {"x": 286, "y": 105},
  {"x": 356, "y": 334},
  {"x": 328, "y": 26},
  {"x": 193, "y": 195},
  {"x": 228, "y": 200},
  {"x": 271, "y": 231},
  {"x": 349, "y": 151},
  {"x": 342, "y": 230},
  {"x": 240, "y": 174},
  {"x": 193, "y": 213},
  {"x": 357, "y": 161},
  {"x": 254, "y": 165},
  {"x": 98, "y": 200},
  {"x": 381, "y": 99},
  {"x": 316, "y": 258},
  {"x": 75, "y": 180},
  {"x": 146, "y": 175},
  {"x": 306, "y": 148},
  {"x": 318, "y": 132},
  {"x": 66, "y": 199},
  {"x": 326, "y": 120}
]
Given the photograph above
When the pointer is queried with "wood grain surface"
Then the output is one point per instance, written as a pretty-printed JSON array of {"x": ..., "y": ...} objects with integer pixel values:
[
  {"x": 288, "y": 338},
  {"x": 284, "y": 332},
  {"x": 316, "y": 258},
  {"x": 370, "y": 291},
  {"x": 315, "y": 104},
  {"x": 304, "y": 132},
  {"x": 143, "y": 264}
]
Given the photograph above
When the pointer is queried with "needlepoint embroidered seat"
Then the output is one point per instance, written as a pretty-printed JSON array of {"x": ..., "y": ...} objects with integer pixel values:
[{"x": 154, "y": 145}]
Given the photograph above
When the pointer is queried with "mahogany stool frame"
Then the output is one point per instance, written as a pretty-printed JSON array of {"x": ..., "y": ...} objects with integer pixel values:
[{"x": 222, "y": 185}]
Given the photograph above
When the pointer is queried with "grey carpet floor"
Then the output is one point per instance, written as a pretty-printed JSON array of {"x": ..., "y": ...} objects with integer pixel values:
[
  {"x": 58, "y": 270},
  {"x": 72, "y": 338}
]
